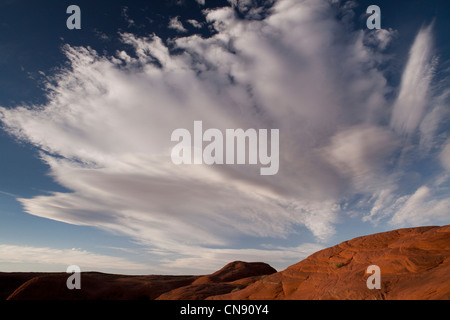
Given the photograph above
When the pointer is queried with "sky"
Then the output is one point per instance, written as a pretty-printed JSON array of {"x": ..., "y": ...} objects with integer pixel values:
[{"x": 86, "y": 118}]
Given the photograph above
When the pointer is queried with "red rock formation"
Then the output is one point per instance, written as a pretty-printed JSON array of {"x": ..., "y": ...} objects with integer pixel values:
[
  {"x": 414, "y": 264},
  {"x": 234, "y": 276}
]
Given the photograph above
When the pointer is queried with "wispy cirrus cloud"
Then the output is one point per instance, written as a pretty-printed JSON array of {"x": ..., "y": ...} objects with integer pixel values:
[
  {"x": 414, "y": 93},
  {"x": 421, "y": 208}
]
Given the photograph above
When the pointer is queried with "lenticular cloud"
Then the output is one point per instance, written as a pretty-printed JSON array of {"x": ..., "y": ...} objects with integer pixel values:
[{"x": 106, "y": 131}]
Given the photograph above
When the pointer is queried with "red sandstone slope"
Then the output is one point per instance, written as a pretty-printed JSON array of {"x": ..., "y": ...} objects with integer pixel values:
[
  {"x": 9, "y": 281},
  {"x": 414, "y": 263}
]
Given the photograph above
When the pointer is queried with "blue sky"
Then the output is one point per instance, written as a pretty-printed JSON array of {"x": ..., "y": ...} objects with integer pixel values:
[{"x": 86, "y": 117}]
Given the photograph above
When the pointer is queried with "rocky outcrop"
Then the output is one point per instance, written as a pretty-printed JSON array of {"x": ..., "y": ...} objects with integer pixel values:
[{"x": 414, "y": 264}]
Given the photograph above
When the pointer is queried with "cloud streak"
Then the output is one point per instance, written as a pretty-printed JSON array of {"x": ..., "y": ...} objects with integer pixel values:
[
  {"x": 54, "y": 258},
  {"x": 415, "y": 87}
]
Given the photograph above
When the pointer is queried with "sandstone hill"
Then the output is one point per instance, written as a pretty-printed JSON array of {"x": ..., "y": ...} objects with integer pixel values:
[{"x": 414, "y": 264}]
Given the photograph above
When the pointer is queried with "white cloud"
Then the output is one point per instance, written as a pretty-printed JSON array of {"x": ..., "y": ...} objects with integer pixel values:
[
  {"x": 60, "y": 259},
  {"x": 176, "y": 24},
  {"x": 194, "y": 23},
  {"x": 415, "y": 86},
  {"x": 445, "y": 156},
  {"x": 360, "y": 154},
  {"x": 421, "y": 208},
  {"x": 252, "y": 9},
  {"x": 126, "y": 16},
  {"x": 380, "y": 38}
]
